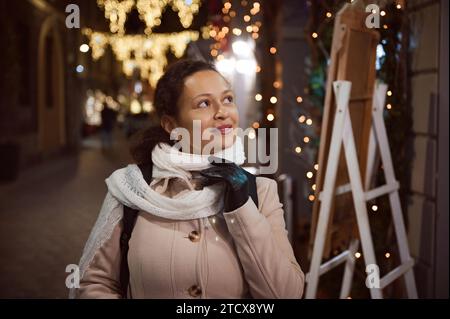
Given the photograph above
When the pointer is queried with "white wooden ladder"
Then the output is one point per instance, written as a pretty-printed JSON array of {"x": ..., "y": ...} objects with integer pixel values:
[{"x": 343, "y": 134}]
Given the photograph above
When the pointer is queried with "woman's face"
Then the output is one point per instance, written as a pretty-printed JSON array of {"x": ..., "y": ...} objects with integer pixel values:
[{"x": 207, "y": 97}]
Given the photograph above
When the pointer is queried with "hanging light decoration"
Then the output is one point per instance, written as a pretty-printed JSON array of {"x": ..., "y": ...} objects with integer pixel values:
[
  {"x": 186, "y": 11},
  {"x": 116, "y": 12},
  {"x": 97, "y": 41},
  {"x": 150, "y": 11},
  {"x": 148, "y": 53}
]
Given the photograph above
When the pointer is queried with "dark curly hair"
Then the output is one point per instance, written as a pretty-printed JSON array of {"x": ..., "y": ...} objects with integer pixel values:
[{"x": 167, "y": 94}]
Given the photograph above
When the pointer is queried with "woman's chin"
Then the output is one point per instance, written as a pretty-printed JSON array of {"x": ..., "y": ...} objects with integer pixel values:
[{"x": 228, "y": 141}]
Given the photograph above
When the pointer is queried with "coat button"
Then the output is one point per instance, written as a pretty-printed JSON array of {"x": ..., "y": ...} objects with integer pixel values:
[
  {"x": 195, "y": 291},
  {"x": 194, "y": 236}
]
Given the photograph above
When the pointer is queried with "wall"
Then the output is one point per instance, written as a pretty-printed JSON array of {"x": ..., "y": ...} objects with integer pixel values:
[{"x": 430, "y": 125}]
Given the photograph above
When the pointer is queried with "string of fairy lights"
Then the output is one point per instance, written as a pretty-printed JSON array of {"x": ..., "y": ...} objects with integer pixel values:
[
  {"x": 150, "y": 11},
  {"x": 219, "y": 34},
  {"x": 315, "y": 35},
  {"x": 146, "y": 52}
]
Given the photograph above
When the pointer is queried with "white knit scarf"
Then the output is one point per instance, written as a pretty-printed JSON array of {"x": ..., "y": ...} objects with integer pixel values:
[{"x": 126, "y": 186}]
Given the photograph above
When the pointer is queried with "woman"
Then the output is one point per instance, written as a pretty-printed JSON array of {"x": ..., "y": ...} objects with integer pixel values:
[{"x": 198, "y": 233}]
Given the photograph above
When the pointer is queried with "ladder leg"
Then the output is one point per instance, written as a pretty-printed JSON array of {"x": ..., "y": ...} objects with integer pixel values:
[
  {"x": 371, "y": 159},
  {"x": 396, "y": 210},
  {"x": 342, "y": 92},
  {"x": 402, "y": 241},
  {"x": 359, "y": 200},
  {"x": 349, "y": 270}
]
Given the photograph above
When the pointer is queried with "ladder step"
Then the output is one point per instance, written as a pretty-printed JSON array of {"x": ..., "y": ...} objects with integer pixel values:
[
  {"x": 361, "y": 98},
  {"x": 397, "y": 272},
  {"x": 339, "y": 190},
  {"x": 373, "y": 193},
  {"x": 382, "y": 190},
  {"x": 332, "y": 263}
]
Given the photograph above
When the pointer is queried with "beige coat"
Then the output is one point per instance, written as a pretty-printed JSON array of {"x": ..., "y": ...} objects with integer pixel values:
[{"x": 244, "y": 254}]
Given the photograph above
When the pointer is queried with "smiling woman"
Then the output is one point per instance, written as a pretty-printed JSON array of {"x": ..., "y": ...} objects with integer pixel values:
[
  {"x": 198, "y": 228},
  {"x": 207, "y": 97}
]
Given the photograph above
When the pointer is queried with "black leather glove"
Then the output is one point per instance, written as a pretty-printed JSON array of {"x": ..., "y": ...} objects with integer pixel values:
[{"x": 235, "y": 178}]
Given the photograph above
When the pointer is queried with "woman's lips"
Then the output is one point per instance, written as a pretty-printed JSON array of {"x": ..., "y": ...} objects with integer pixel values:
[{"x": 225, "y": 129}]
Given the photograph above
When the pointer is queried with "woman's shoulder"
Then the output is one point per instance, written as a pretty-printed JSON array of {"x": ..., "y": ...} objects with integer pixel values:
[{"x": 265, "y": 185}]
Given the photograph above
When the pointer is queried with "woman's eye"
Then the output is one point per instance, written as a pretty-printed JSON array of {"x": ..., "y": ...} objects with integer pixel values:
[
  {"x": 228, "y": 99},
  {"x": 203, "y": 104}
]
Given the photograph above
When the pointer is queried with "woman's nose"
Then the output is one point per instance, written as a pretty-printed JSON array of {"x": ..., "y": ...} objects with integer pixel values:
[{"x": 221, "y": 113}]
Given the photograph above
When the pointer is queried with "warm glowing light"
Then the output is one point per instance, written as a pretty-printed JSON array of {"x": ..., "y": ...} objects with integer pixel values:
[
  {"x": 309, "y": 174},
  {"x": 382, "y": 13},
  {"x": 147, "y": 106},
  {"x": 254, "y": 11},
  {"x": 116, "y": 12},
  {"x": 374, "y": 208},
  {"x": 389, "y": 93},
  {"x": 311, "y": 198},
  {"x": 135, "y": 107},
  {"x": 316, "y": 166},
  {"x": 145, "y": 52},
  {"x": 329, "y": 15},
  {"x": 277, "y": 84},
  {"x": 313, "y": 187},
  {"x": 258, "y": 97},
  {"x": 314, "y": 35},
  {"x": 298, "y": 149},
  {"x": 308, "y": 122},
  {"x": 237, "y": 31},
  {"x": 273, "y": 100},
  {"x": 84, "y": 48},
  {"x": 357, "y": 254},
  {"x": 247, "y": 18},
  {"x": 387, "y": 255},
  {"x": 255, "y": 125},
  {"x": 389, "y": 106},
  {"x": 273, "y": 50},
  {"x": 242, "y": 49},
  {"x": 299, "y": 99},
  {"x": 270, "y": 117}
]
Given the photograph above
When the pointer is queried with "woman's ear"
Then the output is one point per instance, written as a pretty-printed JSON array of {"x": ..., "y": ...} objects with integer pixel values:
[{"x": 168, "y": 123}]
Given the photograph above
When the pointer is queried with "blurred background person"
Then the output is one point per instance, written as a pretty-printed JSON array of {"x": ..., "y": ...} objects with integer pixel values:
[{"x": 107, "y": 126}]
